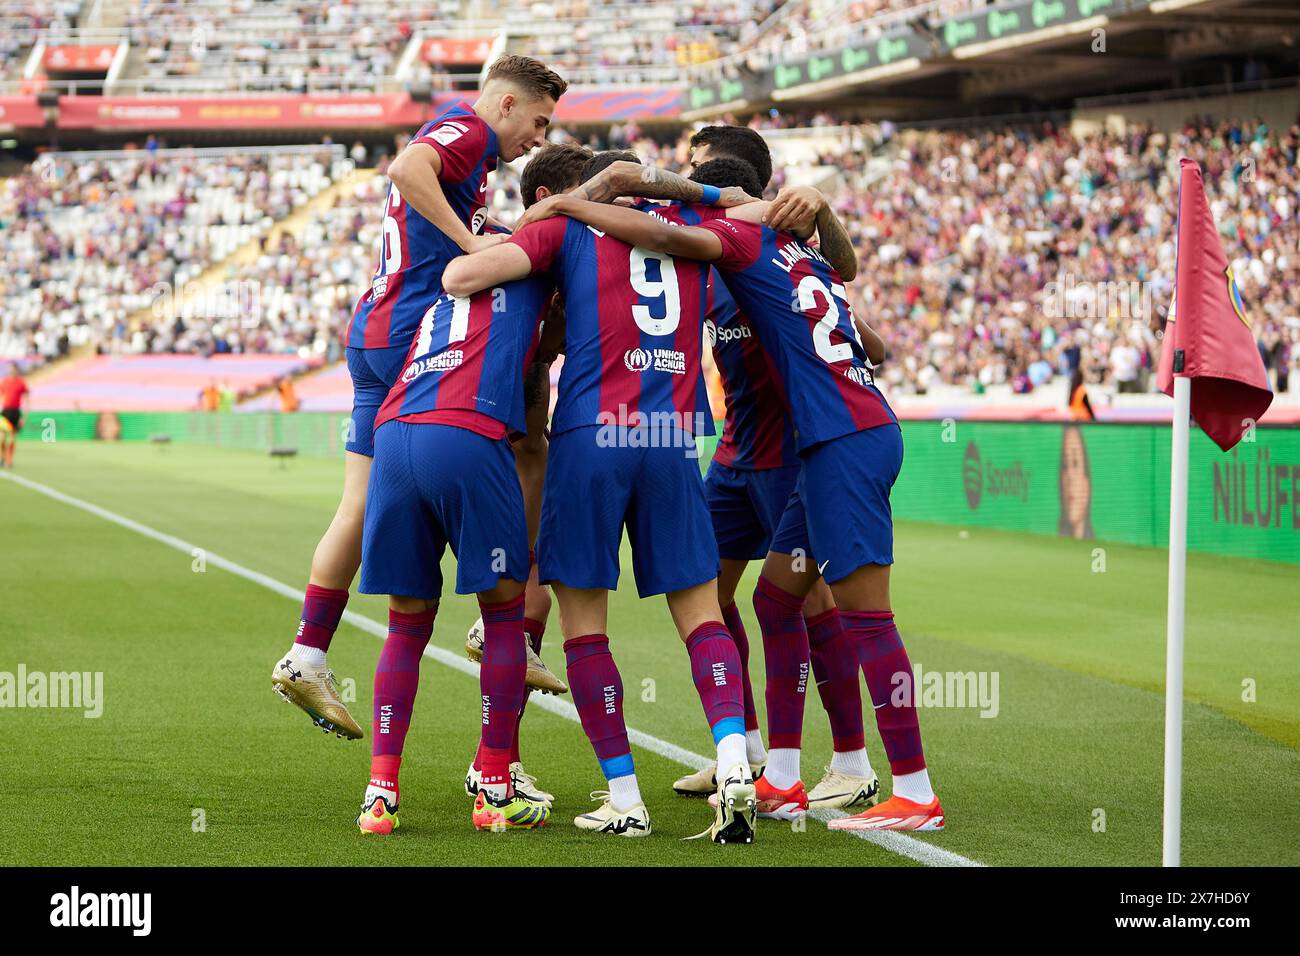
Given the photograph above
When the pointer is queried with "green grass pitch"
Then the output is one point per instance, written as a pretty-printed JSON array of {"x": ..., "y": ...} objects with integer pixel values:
[{"x": 190, "y": 722}]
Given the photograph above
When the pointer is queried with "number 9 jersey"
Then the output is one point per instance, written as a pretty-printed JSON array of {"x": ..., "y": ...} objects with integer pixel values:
[
  {"x": 800, "y": 310},
  {"x": 634, "y": 321}
]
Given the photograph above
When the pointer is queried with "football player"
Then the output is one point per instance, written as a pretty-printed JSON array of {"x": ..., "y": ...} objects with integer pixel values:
[
  {"x": 444, "y": 475},
  {"x": 434, "y": 210},
  {"x": 849, "y": 444}
]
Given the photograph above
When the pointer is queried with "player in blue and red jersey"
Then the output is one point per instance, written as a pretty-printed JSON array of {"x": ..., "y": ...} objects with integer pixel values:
[
  {"x": 850, "y": 447},
  {"x": 748, "y": 485},
  {"x": 444, "y": 475},
  {"x": 631, "y": 401},
  {"x": 434, "y": 210}
]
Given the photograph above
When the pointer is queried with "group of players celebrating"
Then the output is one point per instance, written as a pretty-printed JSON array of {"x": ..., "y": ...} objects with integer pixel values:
[{"x": 625, "y": 270}]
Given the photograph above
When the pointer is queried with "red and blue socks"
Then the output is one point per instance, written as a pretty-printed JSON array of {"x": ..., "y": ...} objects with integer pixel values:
[
  {"x": 501, "y": 686},
  {"x": 397, "y": 678},
  {"x": 753, "y": 736},
  {"x": 533, "y": 631},
  {"x": 597, "y": 691},
  {"x": 835, "y": 670},
  {"x": 785, "y": 650},
  {"x": 716, "y": 670},
  {"x": 885, "y": 663},
  {"x": 322, "y": 609}
]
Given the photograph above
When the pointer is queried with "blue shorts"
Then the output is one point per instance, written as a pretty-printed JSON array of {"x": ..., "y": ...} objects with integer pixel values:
[
  {"x": 593, "y": 490},
  {"x": 791, "y": 536},
  {"x": 436, "y": 485},
  {"x": 850, "y": 523},
  {"x": 746, "y": 507},
  {"x": 373, "y": 373}
]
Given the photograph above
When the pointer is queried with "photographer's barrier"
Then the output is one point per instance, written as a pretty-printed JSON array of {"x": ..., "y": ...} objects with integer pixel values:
[{"x": 1104, "y": 482}]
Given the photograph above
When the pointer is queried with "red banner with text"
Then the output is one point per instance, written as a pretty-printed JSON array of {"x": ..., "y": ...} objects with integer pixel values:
[{"x": 238, "y": 112}]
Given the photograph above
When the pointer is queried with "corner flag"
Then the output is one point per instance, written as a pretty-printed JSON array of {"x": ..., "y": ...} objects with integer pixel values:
[
  {"x": 1208, "y": 324},
  {"x": 1207, "y": 341}
]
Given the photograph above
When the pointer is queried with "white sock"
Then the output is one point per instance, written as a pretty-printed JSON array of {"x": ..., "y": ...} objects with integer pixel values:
[
  {"x": 497, "y": 791},
  {"x": 373, "y": 791},
  {"x": 731, "y": 751},
  {"x": 855, "y": 763},
  {"x": 914, "y": 786},
  {"x": 312, "y": 656},
  {"x": 754, "y": 747},
  {"x": 624, "y": 793},
  {"x": 782, "y": 770}
]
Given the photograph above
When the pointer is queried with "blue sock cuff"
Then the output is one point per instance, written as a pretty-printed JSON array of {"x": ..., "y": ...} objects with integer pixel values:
[
  {"x": 619, "y": 766},
  {"x": 728, "y": 726}
]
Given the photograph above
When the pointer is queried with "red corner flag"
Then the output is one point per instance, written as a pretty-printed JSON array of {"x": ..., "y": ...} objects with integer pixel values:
[{"x": 1211, "y": 331}]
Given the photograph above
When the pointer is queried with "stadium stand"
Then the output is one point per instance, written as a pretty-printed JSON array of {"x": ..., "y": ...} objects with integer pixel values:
[
  {"x": 95, "y": 246},
  {"x": 301, "y": 46},
  {"x": 1003, "y": 280},
  {"x": 593, "y": 41},
  {"x": 286, "y": 45},
  {"x": 952, "y": 227},
  {"x": 980, "y": 246}
]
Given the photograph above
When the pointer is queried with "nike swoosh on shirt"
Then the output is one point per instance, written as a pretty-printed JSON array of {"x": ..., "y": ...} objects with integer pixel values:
[{"x": 822, "y": 567}]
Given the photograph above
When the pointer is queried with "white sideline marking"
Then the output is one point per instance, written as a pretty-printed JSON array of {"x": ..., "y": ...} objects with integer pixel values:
[{"x": 893, "y": 841}]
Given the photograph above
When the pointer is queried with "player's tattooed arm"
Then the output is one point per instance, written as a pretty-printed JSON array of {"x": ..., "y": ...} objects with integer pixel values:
[
  {"x": 835, "y": 244},
  {"x": 635, "y": 228},
  {"x": 650, "y": 182},
  {"x": 800, "y": 210}
]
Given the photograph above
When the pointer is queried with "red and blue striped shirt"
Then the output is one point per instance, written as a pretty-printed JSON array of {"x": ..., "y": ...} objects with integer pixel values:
[
  {"x": 634, "y": 325},
  {"x": 466, "y": 364},
  {"x": 758, "y": 432},
  {"x": 799, "y": 309},
  {"x": 415, "y": 252}
]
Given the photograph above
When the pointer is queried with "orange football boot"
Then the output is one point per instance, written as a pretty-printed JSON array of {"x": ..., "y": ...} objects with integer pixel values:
[{"x": 896, "y": 813}]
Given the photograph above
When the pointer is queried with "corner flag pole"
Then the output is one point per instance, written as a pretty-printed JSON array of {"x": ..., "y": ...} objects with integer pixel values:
[{"x": 1174, "y": 634}]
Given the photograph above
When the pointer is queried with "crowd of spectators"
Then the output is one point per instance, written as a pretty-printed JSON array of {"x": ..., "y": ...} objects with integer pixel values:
[
  {"x": 1013, "y": 257},
  {"x": 95, "y": 249},
  {"x": 288, "y": 45},
  {"x": 588, "y": 39},
  {"x": 319, "y": 46},
  {"x": 21, "y": 21},
  {"x": 1006, "y": 258}
]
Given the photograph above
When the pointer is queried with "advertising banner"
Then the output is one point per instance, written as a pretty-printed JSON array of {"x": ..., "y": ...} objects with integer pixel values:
[
  {"x": 237, "y": 112},
  {"x": 1089, "y": 482},
  {"x": 20, "y": 111},
  {"x": 1104, "y": 482}
]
